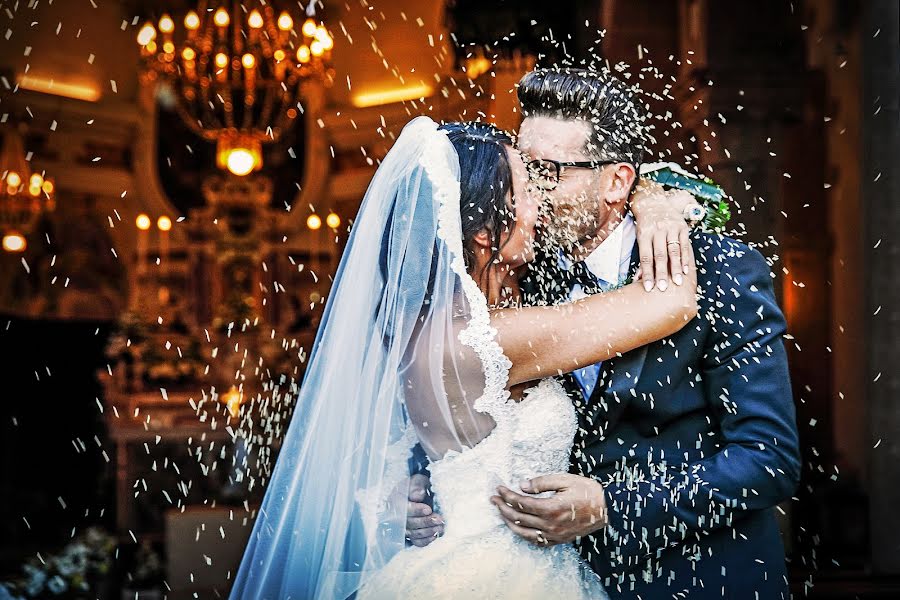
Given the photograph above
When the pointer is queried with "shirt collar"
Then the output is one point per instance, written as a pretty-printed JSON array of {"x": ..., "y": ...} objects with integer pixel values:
[{"x": 606, "y": 261}]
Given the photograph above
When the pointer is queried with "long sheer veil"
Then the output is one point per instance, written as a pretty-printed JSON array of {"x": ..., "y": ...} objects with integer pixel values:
[{"x": 404, "y": 355}]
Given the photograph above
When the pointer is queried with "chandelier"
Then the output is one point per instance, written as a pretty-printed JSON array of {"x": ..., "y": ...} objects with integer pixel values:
[
  {"x": 236, "y": 72},
  {"x": 24, "y": 195}
]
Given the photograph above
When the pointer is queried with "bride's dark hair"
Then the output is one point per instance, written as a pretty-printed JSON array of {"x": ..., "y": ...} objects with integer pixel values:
[{"x": 485, "y": 180}]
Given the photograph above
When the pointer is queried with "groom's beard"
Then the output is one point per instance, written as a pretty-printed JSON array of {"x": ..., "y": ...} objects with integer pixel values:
[{"x": 569, "y": 230}]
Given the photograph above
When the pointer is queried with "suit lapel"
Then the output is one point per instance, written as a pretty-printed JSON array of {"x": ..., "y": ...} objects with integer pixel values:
[{"x": 619, "y": 376}]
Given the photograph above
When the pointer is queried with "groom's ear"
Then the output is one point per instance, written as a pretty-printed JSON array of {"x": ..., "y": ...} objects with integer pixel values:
[{"x": 621, "y": 183}]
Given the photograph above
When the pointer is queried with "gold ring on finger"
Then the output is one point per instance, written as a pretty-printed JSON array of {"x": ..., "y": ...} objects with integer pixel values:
[{"x": 673, "y": 242}]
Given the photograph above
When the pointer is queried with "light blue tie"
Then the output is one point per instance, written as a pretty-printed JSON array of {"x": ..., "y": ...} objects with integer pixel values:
[{"x": 587, "y": 376}]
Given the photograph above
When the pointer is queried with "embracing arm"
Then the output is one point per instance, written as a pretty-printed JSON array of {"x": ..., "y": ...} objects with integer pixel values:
[{"x": 542, "y": 341}]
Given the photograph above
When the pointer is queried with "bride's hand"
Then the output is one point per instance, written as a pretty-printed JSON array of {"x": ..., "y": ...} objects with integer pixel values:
[{"x": 661, "y": 233}]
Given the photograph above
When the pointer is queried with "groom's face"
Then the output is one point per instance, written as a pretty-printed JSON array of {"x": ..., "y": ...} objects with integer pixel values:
[{"x": 577, "y": 202}]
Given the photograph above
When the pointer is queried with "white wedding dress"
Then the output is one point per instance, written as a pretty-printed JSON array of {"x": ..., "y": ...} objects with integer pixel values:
[
  {"x": 479, "y": 556},
  {"x": 406, "y": 354}
]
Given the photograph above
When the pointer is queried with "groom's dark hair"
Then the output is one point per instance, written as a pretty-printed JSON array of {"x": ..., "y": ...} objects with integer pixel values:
[{"x": 612, "y": 108}]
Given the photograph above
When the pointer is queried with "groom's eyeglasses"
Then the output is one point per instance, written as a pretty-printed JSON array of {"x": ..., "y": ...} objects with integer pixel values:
[{"x": 545, "y": 172}]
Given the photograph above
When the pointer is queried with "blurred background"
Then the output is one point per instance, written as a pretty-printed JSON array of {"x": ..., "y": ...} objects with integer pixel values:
[{"x": 178, "y": 182}]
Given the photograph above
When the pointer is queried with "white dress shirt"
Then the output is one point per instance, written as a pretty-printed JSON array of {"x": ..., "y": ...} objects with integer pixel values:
[{"x": 609, "y": 263}]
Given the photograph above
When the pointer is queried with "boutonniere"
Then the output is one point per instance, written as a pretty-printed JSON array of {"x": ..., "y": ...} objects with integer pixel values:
[{"x": 708, "y": 193}]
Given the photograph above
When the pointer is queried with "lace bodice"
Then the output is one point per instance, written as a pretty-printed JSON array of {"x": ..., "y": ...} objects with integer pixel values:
[
  {"x": 532, "y": 437},
  {"x": 479, "y": 556}
]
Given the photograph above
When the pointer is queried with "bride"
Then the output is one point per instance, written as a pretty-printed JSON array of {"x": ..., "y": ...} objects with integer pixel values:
[{"x": 422, "y": 342}]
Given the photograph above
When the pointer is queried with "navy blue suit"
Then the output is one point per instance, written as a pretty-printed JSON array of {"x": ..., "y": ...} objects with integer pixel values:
[{"x": 694, "y": 438}]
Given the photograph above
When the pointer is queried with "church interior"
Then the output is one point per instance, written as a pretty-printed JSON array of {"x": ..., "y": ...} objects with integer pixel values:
[{"x": 180, "y": 178}]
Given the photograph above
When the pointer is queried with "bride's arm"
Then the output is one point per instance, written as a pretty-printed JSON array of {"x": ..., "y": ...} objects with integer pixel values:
[{"x": 541, "y": 341}]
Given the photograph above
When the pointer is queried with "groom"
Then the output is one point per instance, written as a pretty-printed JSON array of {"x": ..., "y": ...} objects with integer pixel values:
[{"x": 684, "y": 446}]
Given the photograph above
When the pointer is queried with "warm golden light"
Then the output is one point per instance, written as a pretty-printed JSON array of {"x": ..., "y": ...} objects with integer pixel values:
[
  {"x": 285, "y": 22},
  {"x": 477, "y": 66},
  {"x": 232, "y": 400},
  {"x": 327, "y": 42},
  {"x": 278, "y": 55},
  {"x": 316, "y": 48},
  {"x": 221, "y": 18},
  {"x": 142, "y": 222},
  {"x": 151, "y": 47},
  {"x": 309, "y": 28},
  {"x": 333, "y": 221},
  {"x": 168, "y": 47},
  {"x": 221, "y": 60},
  {"x": 166, "y": 24},
  {"x": 146, "y": 34},
  {"x": 14, "y": 242},
  {"x": 241, "y": 161},
  {"x": 164, "y": 223},
  {"x": 388, "y": 96},
  {"x": 34, "y": 190},
  {"x": 188, "y": 54},
  {"x": 36, "y": 180},
  {"x": 191, "y": 20},
  {"x": 13, "y": 179},
  {"x": 47, "y": 187},
  {"x": 255, "y": 19},
  {"x": 57, "y": 87},
  {"x": 303, "y": 54},
  {"x": 314, "y": 222},
  {"x": 248, "y": 61}
]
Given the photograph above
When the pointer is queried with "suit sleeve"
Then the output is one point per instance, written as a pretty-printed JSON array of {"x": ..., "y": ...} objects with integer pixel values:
[
  {"x": 418, "y": 461},
  {"x": 757, "y": 465}
]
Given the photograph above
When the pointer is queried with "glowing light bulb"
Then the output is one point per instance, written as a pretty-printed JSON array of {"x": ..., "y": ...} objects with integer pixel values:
[
  {"x": 14, "y": 242},
  {"x": 166, "y": 24},
  {"x": 142, "y": 222},
  {"x": 309, "y": 28},
  {"x": 327, "y": 42},
  {"x": 192, "y": 21},
  {"x": 248, "y": 61},
  {"x": 188, "y": 54},
  {"x": 221, "y": 60},
  {"x": 233, "y": 400},
  {"x": 146, "y": 35},
  {"x": 164, "y": 223},
  {"x": 255, "y": 19},
  {"x": 303, "y": 54},
  {"x": 314, "y": 222},
  {"x": 333, "y": 221},
  {"x": 168, "y": 47},
  {"x": 13, "y": 179},
  {"x": 278, "y": 55},
  {"x": 221, "y": 18},
  {"x": 36, "y": 180},
  {"x": 316, "y": 48},
  {"x": 240, "y": 161},
  {"x": 47, "y": 187},
  {"x": 285, "y": 22}
]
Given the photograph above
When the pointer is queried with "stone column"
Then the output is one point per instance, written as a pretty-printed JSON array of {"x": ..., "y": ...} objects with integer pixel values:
[{"x": 880, "y": 191}]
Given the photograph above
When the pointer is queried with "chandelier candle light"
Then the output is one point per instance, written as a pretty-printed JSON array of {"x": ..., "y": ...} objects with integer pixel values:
[
  {"x": 24, "y": 195},
  {"x": 236, "y": 71}
]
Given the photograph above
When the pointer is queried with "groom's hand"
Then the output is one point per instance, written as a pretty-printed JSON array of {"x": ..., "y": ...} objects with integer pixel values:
[
  {"x": 422, "y": 525},
  {"x": 578, "y": 508}
]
